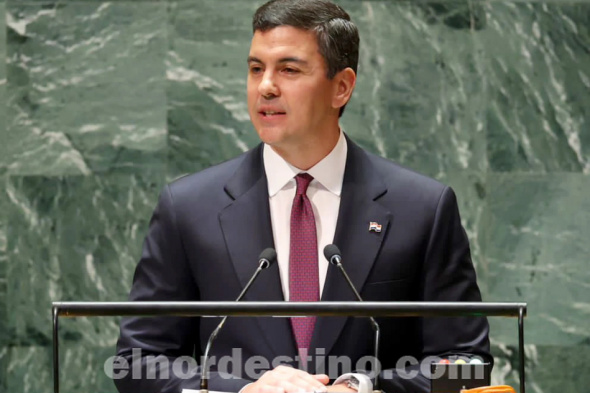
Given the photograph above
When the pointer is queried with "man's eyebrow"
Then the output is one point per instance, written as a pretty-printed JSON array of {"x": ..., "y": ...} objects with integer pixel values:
[
  {"x": 292, "y": 60},
  {"x": 252, "y": 59}
]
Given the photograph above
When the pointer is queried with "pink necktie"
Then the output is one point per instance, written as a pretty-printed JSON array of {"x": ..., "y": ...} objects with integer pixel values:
[{"x": 303, "y": 261}]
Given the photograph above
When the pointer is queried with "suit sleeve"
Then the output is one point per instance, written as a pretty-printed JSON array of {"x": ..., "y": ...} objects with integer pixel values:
[
  {"x": 161, "y": 351},
  {"x": 447, "y": 275}
]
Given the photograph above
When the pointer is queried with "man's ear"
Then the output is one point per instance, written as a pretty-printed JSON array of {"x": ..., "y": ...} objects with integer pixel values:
[{"x": 344, "y": 83}]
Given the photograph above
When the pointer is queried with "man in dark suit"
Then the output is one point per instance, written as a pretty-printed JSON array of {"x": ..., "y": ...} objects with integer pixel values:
[{"x": 399, "y": 233}]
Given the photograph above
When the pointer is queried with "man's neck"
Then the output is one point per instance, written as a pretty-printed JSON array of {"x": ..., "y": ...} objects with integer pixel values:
[{"x": 305, "y": 156}]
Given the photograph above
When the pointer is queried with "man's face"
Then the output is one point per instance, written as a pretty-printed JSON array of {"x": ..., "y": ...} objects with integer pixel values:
[{"x": 289, "y": 95}]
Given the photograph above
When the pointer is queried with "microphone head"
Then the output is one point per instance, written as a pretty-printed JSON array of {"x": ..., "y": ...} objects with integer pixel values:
[
  {"x": 332, "y": 254},
  {"x": 267, "y": 257}
]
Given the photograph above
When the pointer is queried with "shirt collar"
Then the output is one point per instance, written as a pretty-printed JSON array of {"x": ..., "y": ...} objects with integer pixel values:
[{"x": 329, "y": 172}]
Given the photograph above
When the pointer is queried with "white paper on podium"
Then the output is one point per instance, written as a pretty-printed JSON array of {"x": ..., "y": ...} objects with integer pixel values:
[{"x": 215, "y": 391}]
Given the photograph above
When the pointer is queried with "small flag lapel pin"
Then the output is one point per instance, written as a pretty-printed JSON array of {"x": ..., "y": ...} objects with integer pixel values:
[{"x": 374, "y": 227}]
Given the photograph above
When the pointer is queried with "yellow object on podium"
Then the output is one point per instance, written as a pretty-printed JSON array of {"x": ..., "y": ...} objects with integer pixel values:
[{"x": 490, "y": 389}]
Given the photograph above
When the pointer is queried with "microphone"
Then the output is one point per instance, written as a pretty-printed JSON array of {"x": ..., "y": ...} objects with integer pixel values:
[
  {"x": 266, "y": 258},
  {"x": 332, "y": 254}
]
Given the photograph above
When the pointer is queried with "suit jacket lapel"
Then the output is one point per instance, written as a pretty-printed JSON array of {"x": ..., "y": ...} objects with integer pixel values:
[
  {"x": 247, "y": 229},
  {"x": 359, "y": 205}
]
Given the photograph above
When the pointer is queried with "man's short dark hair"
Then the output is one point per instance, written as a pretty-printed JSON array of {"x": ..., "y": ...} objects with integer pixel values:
[{"x": 337, "y": 36}]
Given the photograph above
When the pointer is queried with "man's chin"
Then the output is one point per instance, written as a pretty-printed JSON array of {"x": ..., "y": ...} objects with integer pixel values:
[{"x": 271, "y": 136}]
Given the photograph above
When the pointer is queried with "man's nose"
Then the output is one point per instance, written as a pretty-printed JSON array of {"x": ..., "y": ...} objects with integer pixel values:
[{"x": 268, "y": 87}]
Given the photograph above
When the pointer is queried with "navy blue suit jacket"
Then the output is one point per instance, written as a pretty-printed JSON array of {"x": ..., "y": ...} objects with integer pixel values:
[{"x": 209, "y": 228}]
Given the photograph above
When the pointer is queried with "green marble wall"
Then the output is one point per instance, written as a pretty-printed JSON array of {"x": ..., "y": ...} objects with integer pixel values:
[{"x": 102, "y": 103}]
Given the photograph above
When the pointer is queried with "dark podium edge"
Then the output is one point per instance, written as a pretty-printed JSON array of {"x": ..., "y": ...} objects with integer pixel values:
[{"x": 287, "y": 309}]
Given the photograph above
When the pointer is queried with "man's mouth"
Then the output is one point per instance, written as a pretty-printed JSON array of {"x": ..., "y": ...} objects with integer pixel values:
[{"x": 271, "y": 113}]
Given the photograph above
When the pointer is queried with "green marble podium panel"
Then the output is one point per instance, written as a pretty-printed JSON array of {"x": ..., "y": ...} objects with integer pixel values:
[
  {"x": 81, "y": 369},
  {"x": 86, "y": 88},
  {"x": 2, "y": 72},
  {"x": 73, "y": 238},
  {"x": 208, "y": 118},
  {"x": 419, "y": 97},
  {"x": 3, "y": 206},
  {"x": 537, "y": 66},
  {"x": 102, "y": 103},
  {"x": 533, "y": 252}
]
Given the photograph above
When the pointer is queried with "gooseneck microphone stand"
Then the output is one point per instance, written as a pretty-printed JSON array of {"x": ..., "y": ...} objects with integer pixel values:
[
  {"x": 332, "y": 254},
  {"x": 267, "y": 258}
]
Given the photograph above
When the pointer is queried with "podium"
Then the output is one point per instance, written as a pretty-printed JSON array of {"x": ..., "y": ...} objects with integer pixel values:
[{"x": 290, "y": 309}]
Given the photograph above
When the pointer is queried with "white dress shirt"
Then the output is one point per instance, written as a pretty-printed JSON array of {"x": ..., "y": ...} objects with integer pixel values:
[{"x": 324, "y": 194}]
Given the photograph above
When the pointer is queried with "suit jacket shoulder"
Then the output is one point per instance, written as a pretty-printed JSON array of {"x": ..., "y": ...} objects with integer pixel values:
[
  {"x": 217, "y": 186},
  {"x": 409, "y": 195},
  {"x": 400, "y": 179}
]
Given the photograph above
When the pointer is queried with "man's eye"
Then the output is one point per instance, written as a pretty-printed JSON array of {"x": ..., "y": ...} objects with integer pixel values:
[
  {"x": 291, "y": 70},
  {"x": 255, "y": 70}
]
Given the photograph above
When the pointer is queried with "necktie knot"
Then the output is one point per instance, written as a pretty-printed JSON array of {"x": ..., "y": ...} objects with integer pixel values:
[{"x": 303, "y": 180}]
